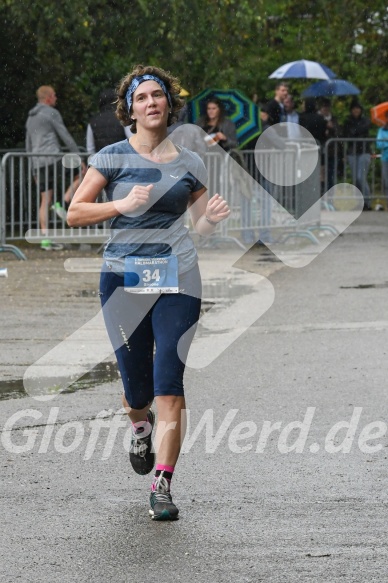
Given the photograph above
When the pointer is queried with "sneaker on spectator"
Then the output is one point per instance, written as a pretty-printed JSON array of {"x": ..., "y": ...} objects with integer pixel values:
[
  {"x": 45, "y": 244},
  {"x": 48, "y": 245}
]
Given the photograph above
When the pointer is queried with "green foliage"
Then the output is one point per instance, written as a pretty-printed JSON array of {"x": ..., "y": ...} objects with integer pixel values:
[{"x": 80, "y": 47}]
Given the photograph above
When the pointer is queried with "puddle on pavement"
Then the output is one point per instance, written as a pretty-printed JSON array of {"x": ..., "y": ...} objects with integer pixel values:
[
  {"x": 218, "y": 291},
  {"x": 83, "y": 293},
  {"x": 268, "y": 258},
  {"x": 366, "y": 286},
  {"x": 223, "y": 290},
  {"x": 86, "y": 293},
  {"x": 102, "y": 373}
]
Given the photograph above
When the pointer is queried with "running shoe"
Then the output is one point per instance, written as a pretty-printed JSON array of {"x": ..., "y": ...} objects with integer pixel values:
[
  {"x": 141, "y": 454},
  {"x": 59, "y": 210},
  {"x": 162, "y": 506},
  {"x": 45, "y": 244},
  {"x": 48, "y": 245}
]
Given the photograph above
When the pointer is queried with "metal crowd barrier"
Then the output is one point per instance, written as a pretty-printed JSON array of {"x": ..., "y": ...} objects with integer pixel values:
[
  {"x": 20, "y": 200},
  {"x": 238, "y": 176},
  {"x": 356, "y": 161},
  {"x": 261, "y": 208}
]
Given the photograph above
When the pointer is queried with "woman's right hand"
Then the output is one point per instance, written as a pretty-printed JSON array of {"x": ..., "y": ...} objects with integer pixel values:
[
  {"x": 137, "y": 197},
  {"x": 220, "y": 136}
]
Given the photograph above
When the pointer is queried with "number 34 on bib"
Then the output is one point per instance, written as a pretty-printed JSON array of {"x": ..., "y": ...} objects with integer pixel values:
[{"x": 155, "y": 275}]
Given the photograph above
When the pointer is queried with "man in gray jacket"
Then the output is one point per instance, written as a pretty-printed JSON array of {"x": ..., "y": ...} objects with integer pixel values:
[{"x": 45, "y": 128}]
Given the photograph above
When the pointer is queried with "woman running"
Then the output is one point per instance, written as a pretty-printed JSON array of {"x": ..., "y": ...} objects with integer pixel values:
[{"x": 150, "y": 285}]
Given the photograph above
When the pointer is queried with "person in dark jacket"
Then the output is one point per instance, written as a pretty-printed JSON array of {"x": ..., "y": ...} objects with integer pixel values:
[
  {"x": 219, "y": 128},
  {"x": 275, "y": 107},
  {"x": 267, "y": 160},
  {"x": 104, "y": 128},
  {"x": 358, "y": 151},
  {"x": 312, "y": 121},
  {"x": 333, "y": 153}
]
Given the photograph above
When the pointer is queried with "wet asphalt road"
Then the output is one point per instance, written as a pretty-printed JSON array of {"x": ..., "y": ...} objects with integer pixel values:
[{"x": 264, "y": 514}]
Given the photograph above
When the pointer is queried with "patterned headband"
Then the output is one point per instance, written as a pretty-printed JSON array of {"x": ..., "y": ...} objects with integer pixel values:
[{"x": 140, "y": 79}]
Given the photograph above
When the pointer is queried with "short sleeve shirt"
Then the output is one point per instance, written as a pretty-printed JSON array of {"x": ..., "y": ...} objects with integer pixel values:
[{"x": 156, "y": 228}]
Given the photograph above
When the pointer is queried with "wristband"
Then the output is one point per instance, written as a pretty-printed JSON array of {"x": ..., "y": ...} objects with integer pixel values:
[{"x": 213, "y": 223}]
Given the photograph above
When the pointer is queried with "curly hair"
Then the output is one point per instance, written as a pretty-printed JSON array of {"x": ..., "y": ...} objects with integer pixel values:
[{"x": 172, "y": 85}]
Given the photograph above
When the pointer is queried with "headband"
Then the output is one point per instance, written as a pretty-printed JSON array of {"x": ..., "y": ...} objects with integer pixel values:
[{"x": 140, "y": 79}]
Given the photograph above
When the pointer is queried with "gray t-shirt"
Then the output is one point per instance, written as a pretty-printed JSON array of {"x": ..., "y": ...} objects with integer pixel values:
[{"x": 157, "y": 228}]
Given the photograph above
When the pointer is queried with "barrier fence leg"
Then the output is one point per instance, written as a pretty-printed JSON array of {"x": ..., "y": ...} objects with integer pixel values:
[{"x": 12, "y": 249}]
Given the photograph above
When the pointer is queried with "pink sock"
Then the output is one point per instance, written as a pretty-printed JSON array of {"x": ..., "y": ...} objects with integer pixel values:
[
  {"x": 142, "y": 428},
  {"x": 167, "y": 473},
  {"x": 163, "y": 467}
]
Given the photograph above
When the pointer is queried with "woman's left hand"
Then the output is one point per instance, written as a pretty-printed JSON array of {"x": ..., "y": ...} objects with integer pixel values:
[{"x": 217, "y": 209}]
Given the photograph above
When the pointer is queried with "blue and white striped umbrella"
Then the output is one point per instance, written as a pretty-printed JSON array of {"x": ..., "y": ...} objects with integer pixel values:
[{"x": 303, "y": 70}]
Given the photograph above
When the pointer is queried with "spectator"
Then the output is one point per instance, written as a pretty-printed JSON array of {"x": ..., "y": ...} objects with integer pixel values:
[
  {"x": 334, "y": 150},
  {"x": 275, "y": 107},
  {"x": 270, "y": 141},
  {"x": 358, "y": 151},
  {"x": 292, "y": 118},
  {"x": 220, "y": 129},
  {"x": 312, "y": 121},
  {"x": 104, "y": 128},
  {"x": 382, "y": 144},
  {"x": 44, "y": 130},
  {"x": 316, "y": 126}
]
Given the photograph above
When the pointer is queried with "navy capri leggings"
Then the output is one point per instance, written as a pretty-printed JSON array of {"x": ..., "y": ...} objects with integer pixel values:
[{"x": 138, "y": 322}]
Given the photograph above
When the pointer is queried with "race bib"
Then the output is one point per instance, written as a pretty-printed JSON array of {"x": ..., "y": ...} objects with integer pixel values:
[{"x": 151, "y": 275}]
